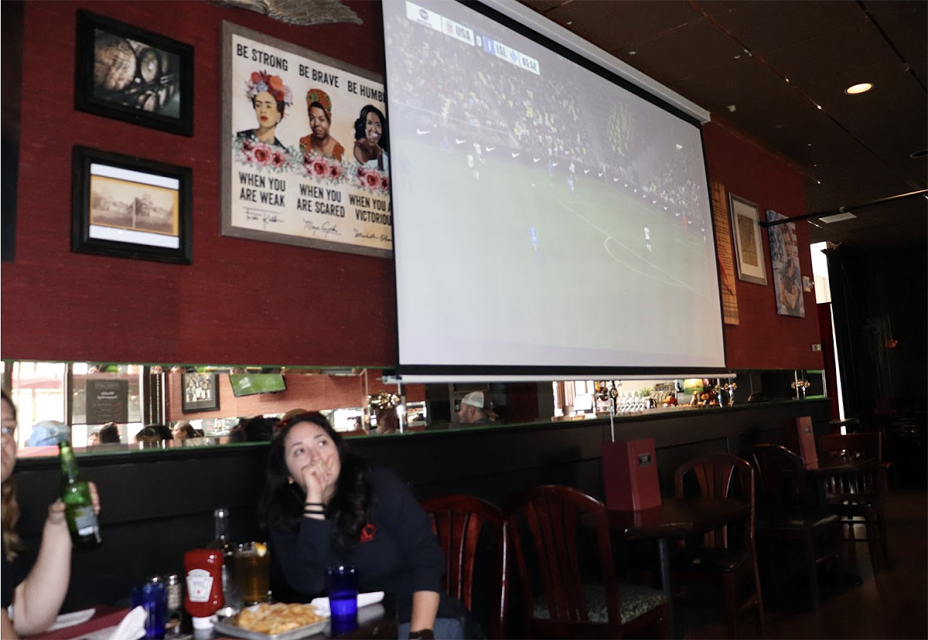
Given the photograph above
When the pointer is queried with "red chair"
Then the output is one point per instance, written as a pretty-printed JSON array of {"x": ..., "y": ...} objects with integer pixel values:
[
  {"x": 458, "y": 520},
  {"x": 791, "y": 521},
  {"x": 718, "y": 558},
  {"x": 551, "y": 519},
  {"x": 858, "y": 498}
]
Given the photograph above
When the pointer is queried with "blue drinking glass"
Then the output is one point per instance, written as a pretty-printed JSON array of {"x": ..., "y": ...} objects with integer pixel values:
[
  {"x": 153, "y": 597},
  {"x": 342, "y": 584}
]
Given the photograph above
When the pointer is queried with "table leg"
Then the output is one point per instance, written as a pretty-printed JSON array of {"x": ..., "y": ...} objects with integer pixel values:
[{"x": 663, "y": 554}]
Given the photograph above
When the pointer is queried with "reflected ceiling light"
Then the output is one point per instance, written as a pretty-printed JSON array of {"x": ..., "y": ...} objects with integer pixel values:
[
  {"x": 838, "y": 217},
  {"x": 862, "y": 87}
]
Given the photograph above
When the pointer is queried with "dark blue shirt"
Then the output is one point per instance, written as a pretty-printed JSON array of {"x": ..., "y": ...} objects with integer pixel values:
[{"x": 403, "y": 556}]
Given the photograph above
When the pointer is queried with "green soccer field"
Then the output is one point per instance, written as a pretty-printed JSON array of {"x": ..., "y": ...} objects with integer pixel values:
[{"x": 585, "y": 247}]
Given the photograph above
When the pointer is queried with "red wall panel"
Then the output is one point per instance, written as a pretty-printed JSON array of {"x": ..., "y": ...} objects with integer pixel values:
[
  {"x": 309, "y": 392},
  {"x": 763, "y": 339},
  {"x": 241, "y": 301}
]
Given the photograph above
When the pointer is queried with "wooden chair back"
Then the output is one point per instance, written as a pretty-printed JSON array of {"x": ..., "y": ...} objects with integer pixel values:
[
  {"x": 866, "y": 483},
  {"x": 783, "y": 491},
  {"x": 863, "y": 445},
  {"x": 550, "y": 517},
  {"x": 718, "y": 475},
  {"x": 458, "y": 521}
]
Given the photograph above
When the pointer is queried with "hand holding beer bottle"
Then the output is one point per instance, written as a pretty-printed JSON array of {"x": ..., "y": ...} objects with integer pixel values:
[{"x": 79, "y": 503}]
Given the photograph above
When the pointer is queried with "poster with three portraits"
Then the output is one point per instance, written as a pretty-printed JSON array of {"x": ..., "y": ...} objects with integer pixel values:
[{"x": 305, "y": 148}]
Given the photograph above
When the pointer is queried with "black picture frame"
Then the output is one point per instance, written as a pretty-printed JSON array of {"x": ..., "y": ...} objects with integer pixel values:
[
  {"x": 199, "y": 392},
  {"x": 149, "y": 80},
  {"x": 128, "y": 207}
]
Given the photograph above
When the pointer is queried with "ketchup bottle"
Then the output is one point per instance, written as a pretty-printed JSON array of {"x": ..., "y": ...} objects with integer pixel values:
[{"x": 204, "y": 585}]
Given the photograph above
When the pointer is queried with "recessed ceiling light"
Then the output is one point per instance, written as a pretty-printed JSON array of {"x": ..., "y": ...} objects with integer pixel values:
[
  {"x": 921, "y": 153},
  {"x": 854, "y": 89}
]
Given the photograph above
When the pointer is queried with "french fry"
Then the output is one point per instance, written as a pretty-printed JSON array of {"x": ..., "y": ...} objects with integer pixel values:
[{"x": 277, "y": 618}]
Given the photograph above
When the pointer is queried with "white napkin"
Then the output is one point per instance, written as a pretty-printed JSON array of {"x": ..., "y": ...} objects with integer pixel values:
[
  {"x": 321, "y": 605},
  {"x": 132, "y": 626},
  {"x": 71, "y": 619}
]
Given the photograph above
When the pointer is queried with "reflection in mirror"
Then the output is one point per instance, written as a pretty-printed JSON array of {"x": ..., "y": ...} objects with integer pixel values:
[{"x": 127, "y": 407}]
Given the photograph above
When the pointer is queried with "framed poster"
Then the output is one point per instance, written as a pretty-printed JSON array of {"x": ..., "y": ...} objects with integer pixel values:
[
  {"x": 131, "y": 74},
  {"x": 749, "y": 250},
  {"x": 724, "y": 254},
  {"x": 306, "y": 148},
  {"x": 784, "y": 258},
  {"x": 107, "y": 401},
  {"x": 200, "y": 392},
  {"x": 130, "y": 208}
]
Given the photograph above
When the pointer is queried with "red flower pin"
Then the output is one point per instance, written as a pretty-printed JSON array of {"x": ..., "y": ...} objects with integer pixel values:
[{"x": 367, "y": 533}]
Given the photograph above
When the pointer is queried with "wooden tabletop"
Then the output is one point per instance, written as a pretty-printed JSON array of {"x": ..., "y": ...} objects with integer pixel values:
[
  {"x": 374, "y": 621},
  {"x": 678, "y": 517},
  {"x": 828, "y": 465}
]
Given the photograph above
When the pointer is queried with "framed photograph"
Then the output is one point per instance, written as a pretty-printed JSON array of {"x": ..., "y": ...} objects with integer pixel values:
[
  {"x": 130, "y": 74},
  {"x": 749, "y": 250},
  {"x": 784, "y": 260},
  {"x": 130, "y": 208},
  {"x": 298, "y": 164},
  {"x": 200, "y": 392}
]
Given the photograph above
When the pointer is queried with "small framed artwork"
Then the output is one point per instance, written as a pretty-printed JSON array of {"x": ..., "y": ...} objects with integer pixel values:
[
  {"x": 130, "y": 74},
  {"x": 130, "y": 208},
  {"x": 749, "y": 250},
  {"x": 784, "y": 262},
  {"x": 200, "y": 392}
]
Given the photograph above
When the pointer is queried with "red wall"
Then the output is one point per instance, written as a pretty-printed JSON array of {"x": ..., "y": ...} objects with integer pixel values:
[
  {"x": 242, "y": 301},
  {"x": 309, "y": 392},
  {"x": 763, "y": 339}
]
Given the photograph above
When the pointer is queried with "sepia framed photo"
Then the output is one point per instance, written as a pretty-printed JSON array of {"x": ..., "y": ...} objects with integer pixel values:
[
  {"x": 131, "y": 74},
  {"x": 130, "y": 208},
  {"x": 749, "y": 248},
  {"x": 199, "y": 392}
]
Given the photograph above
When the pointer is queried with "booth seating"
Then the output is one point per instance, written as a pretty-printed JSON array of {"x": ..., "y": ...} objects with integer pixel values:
[
  {"x": 791, "y": 520},
  {"x": 544, "y": 524},
  {"x": 458, "y": 521},
  {"x": 718, "y": 557}
]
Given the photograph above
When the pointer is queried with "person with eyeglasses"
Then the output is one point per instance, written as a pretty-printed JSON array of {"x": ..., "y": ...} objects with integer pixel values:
[{"x": 35, "y": 594}]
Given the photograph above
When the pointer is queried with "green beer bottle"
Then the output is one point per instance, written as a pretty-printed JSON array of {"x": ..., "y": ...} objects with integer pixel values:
[{"x": 75, "y": 493}]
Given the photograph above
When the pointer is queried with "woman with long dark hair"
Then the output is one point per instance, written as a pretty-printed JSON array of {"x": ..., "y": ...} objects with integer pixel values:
[
  {"x": 37, "y": 597},
  {"x": 325, "y": 506},
  {"x": 371, "y": 139}
]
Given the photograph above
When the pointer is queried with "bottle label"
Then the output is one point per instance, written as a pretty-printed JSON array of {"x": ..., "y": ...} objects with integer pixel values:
[
  {"x": 85, "y": 521},
  {"x": 199, "y": 585}
]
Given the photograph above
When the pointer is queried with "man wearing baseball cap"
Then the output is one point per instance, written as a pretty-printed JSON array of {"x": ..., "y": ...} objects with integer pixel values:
[{"x": 475, "y": 409}]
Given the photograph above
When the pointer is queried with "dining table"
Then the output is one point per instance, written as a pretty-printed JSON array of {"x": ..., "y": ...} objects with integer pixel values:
[
  {"x": 676, "y": 518},
  {"x": 374, "y": 621}
]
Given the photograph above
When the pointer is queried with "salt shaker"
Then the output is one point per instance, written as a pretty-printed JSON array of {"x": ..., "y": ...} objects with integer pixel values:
[{"x": 175, "y": 601}]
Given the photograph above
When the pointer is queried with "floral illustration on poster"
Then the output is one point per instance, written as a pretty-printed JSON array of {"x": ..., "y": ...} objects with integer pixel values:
[
  {"x": 784, "y": 254},
  {"x": 306, "y": 148}
]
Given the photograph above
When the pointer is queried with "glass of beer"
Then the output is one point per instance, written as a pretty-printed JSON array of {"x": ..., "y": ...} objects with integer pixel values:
[{"x": 252, "y": 562}]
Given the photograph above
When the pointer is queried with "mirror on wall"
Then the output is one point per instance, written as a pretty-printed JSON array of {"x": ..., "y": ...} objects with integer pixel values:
[{"x": 113, "y": 407}]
